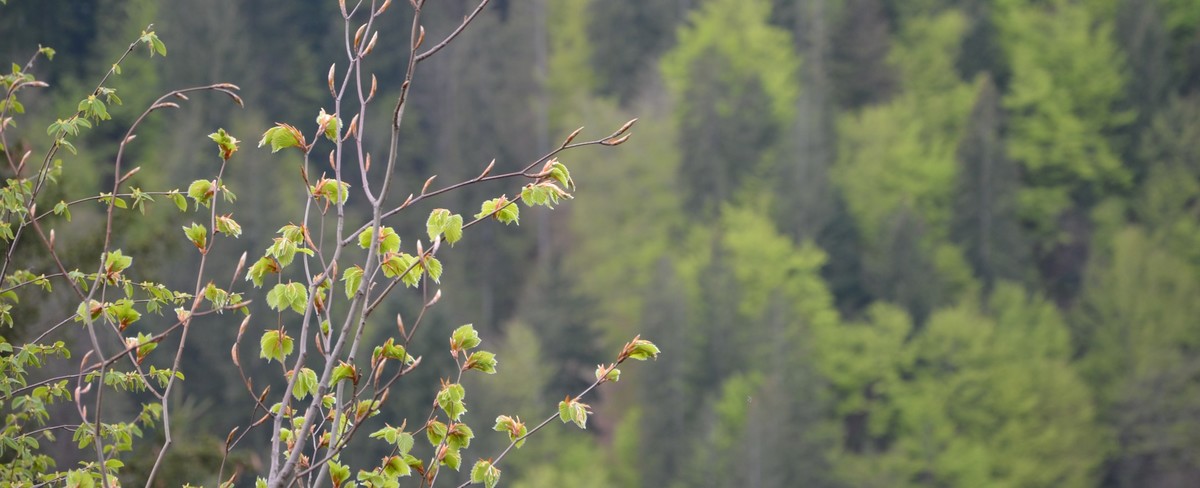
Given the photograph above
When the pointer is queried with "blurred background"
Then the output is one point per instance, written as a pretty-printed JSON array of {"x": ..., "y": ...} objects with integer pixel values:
[{"x": 881, "y": 243}]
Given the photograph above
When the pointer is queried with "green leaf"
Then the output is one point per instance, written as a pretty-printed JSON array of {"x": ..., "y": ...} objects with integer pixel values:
[
  {"x": 436, "y": 223},
  {"x": 198, "y": 234},
  {"x": 331, "y": 124},
  {"x": 642, "y": 350},
  {"x": 275, "y": 344},
  {"x": 395, "y": 466},
  {"x": 116, "y": 262},
  {"x": 500, "y": 208},
  {"x": 453, "y": 459},
  {"x": 450, "y": 399},
  {"x": 145, "y": 344},
  {"x": 434, "y": 268},
  {"x": 459, "y": 436},
  {"x": 338, "y": 473},
  {"x": 453, "y": 229},
  {"x": 291, "y": 294},
  {"x": 441, "y": 222},
  {"x": 179, "y": 200},
  {"x": 61, "y": 208},
  {"x": 344, "y": 371},
  {"x": 404, "y": 263},
  {"x": 388, "y": 243},
  {"x": 226, "y": 144},
  {"x": 464, "y": 338},
  {"x": 305, "y": 385},
  {"x": 613, "y": 375},
  {"x": 226, "y": 225},
  {"x": 435, "y": 432},
  {"x": 570, "y": 410},
  {"x": 484, "y": 472},
  {"x": 482, "y": 361},
  {"x": 260, "y": 268},
  {"x": 513, "y": 426},
  {"x": 202, "y": 192},
  {"x": 352, "y": 276},
  {"x": 560, "y": 173},
  {"x": 282, "y": 136}
]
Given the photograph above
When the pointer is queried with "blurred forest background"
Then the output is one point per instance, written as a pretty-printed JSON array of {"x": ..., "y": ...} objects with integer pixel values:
[{"x": 881, "y": 242}]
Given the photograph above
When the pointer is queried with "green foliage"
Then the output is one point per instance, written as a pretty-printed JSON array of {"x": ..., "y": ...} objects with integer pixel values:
[
  {"x": 903, "y": 153},
  {"x": 276, "y": 345},
  {"x": 738, "y": 32},
  {"x": 501, "y": 209},
  {"x": 1067, "y": 80}
]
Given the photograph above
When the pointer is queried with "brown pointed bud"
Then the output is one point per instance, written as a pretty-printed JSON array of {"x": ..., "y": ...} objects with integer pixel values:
[
  {"x": 624, "y": 127},
  {"x": 319, "y": 344},
  {"x": 130, "y": 174},
  {"x": 164, "y": 105},
  {"x": 367, "y": 165},
  {"x": 227, "y": 86},
  {"x": 427, "y": 183},
  {"x": 51, "y": 238},
  {"x": 400, "y": 325},
  {"x": 371, "y": 45},
  {"x": 234, "y": 354},
  {"x": 33, "y": 209},
  {"x": 437, "y": 243},
  {"x": 384, "y": 7},
  {"x": 332, "y": 161},
  {"x": 420, "y": 37},
  {"x": 242, "y": 330},
  {"x": 129, "y": 139},
  {"x": 358, "y": 35},
  {"x": 180, "y": 96},
  {"x": 332, "y": 69},
  {"x": 420, "y": 251},
  {"x": 342, "y": 4},
  {"x": 24, "y": 158},
  {"x": 616, "y": 142},
  {"x": 374, "y": 86},
  {"x": 572, "y": 137},
  {"x": 353, "y": 128},
  {"x": 407, "y": 200},
  {"x": 437, "y": 296},
  {"x": 229, "y": 438},
  {"x": 487, "y": 170},
  {"x": 241, "y": 265}
]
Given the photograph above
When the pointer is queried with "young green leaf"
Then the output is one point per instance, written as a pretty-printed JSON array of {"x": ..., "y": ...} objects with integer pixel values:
[
  {"x": 198, "y": 234},
  {"x": 344, "y": 371},
  {"x": 570, "y": 410},
  {"x": 226, "y": 225},
  {"x": 352, "y": 276},
  {"x": 305, "y": 385},
  {"x": 330, "y": 124},
  {"x": 282, "y": 136},
  {"x": 464, "y": 338},
  {"x": 275, "y": 344},
  {"x": 484, "y": 472},
  {"x": 450, "y": 399},
  {"x": 435, "y": 431},
  {"x": 201, "y": 191},
  {"x": 481, "y": 361},
  {"x": 513, "y": 426},
  {"x": 226, "y": 144}
]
